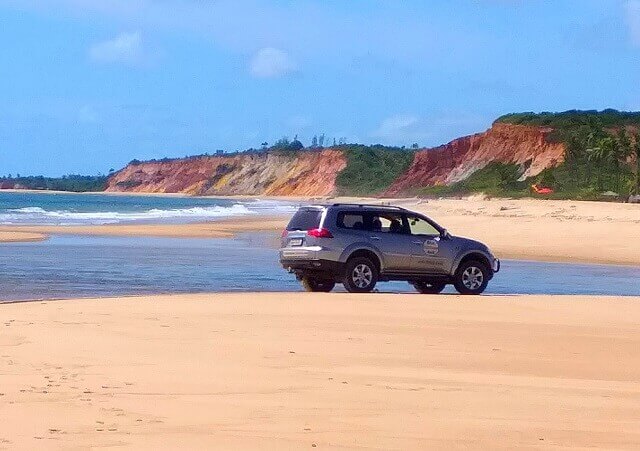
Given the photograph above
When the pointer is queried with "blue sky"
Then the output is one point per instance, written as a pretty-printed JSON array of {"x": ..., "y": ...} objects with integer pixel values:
[{"x": 87, "y": 85}]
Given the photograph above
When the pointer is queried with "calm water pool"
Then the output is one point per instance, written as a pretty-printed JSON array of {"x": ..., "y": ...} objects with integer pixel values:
[{"x": 74, "y": 266}]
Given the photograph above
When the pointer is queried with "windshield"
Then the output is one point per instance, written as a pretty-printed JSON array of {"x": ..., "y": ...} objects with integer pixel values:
[{"x": 305, "y": 219}]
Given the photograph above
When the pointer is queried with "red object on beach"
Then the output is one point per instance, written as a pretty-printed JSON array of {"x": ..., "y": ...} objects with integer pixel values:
[{"x": 541, "y": 189}]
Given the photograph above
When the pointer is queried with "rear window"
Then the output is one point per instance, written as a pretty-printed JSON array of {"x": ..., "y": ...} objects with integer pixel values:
[{"x": 305, "y": 219}]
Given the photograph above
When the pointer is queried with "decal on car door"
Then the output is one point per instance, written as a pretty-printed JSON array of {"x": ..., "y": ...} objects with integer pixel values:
[{"x": 431, "y": 247}]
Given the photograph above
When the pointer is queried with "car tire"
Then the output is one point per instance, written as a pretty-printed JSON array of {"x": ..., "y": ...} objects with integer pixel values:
[
  {"x": 361, "y": 275},
  {"x": 429, "y": 288},
  {"x": 472, "y": 277},
  {"x": 312, "y": 284}
]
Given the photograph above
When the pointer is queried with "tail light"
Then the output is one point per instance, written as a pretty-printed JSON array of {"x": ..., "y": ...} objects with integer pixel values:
[
  {"x": 285, "y": 232},
  {"x": 319, "y": 233}
]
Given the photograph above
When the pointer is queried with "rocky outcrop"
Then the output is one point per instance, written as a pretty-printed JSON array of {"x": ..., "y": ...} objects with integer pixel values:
[
  {"x": 311, "y": 173},
  {"x": 505, "y": 143}
]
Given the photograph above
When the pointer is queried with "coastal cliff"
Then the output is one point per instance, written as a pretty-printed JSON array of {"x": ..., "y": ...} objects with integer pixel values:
[
  {"x": 317, "y": 172},
  {"x": 528, "y": 147},
  {"x": 264, "y": 173}
]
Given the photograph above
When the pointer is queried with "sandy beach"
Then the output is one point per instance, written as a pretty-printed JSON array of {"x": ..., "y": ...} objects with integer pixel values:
[
  {"x": 569, "y": 231},
  {"x": 215, "y": 229},
  {"x": 338, "y": 371},
  {"x": 17, "y": 236},
  {"x": 296, "y": 371}
]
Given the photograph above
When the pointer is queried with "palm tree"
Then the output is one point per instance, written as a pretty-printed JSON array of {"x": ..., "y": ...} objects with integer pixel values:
[
  {"x": 602, "y": 155},
  {"x": 622, "y": 152},
  {"x": 585, "y": 140},
  {"x": 636, "y": 151}
]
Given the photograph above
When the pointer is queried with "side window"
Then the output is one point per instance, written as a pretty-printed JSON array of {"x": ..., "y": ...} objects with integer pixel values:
[
  {"x": 388, "y": 223},
  {"x": 353, "y": 221},
  {"x": 419, "y": 226}
]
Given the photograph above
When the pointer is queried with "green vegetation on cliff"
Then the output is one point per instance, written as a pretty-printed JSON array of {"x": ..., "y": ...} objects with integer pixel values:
[
  {"x": 602, "y": 151},
  {"x": 72, "y": 182},
  {"x": 495, "y": 179},
  {"x": 371, "y": 169},
  {"x": 574, "y": 119}
]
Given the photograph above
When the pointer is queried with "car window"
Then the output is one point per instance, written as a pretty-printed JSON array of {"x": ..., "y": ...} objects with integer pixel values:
[
  {"x": 305, "y": 219},
  {"x": 354, "y": 221},
  {"x": 419, "y": 226},
  {"x": 388, "y": 223}
]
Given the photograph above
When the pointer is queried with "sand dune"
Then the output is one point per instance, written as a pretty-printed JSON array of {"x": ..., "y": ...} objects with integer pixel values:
[{"x": 274, "y": 371}]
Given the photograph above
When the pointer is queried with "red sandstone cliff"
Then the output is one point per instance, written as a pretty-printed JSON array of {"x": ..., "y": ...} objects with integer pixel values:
[
  {"x": 313, "y": 173},
  {"x": 504, "y": 143},
  {"x": 271, "y": 174}
]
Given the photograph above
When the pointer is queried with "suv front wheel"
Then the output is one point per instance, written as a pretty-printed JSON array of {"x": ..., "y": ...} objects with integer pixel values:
[
  {"x": 361, "y": 275},
  {"x": 471, "y": 277}
]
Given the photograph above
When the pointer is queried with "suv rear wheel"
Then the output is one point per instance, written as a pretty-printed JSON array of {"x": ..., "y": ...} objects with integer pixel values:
[
  {"x": 361, "y": 275},
  {"x": 471, "y": 277},
  {"x": 317, "y": 285},
  {"x": 429, "y": 288}
]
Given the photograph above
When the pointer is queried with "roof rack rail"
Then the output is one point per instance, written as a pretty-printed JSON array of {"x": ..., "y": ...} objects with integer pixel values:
[{"x": 391, "y": 207}]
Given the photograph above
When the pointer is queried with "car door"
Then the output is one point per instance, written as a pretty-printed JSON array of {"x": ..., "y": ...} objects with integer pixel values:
[
  {"x": 389, "y": 233},
  {"x": 430, "y": 251}
]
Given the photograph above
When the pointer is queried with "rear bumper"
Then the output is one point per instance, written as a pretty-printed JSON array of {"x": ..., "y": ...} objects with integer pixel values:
[{"x": 326, "y": 267}]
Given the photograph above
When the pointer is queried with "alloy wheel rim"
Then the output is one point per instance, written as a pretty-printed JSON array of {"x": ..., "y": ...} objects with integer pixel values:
[
  {"x": 472, "y": 277},
  {"x": 362, "y": 276}
]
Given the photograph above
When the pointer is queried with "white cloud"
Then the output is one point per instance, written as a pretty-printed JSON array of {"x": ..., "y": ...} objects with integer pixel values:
[
  {"x": 126, "y": 48},
  {"x": 395, "y": 124},
  {"x": 313, "y": 31},
  {"x": 401, "y": 129},
  {"x": 271, "y": 63},
  {"x": 298, "y": 123},
  {"x": 632, "y": 16}
]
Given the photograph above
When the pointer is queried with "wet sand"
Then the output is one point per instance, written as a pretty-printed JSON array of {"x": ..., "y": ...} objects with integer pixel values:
[
  {"x": 13, "y": 236},
  {"x": 218, "y": 229},
  {"x": 274, "y": 371}
]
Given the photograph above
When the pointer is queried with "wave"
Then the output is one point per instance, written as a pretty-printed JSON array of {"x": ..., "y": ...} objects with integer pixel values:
[
  {"x": 38, "y": 215},
  {"x": 271, "y": 206}
]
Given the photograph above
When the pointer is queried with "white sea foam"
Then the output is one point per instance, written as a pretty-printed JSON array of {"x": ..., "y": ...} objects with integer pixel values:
[
  {"x": 73, "y": 210},
  {"x": 270, "y": 206},
  {"x": 37, "y": 215}
]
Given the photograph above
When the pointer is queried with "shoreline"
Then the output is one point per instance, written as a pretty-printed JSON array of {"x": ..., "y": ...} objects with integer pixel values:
[
  {"x": 522, "y": 229},
  {"x": 240, "y": 371}
]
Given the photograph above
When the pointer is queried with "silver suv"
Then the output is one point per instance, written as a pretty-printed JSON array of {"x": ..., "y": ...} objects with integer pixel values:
[{"x": 360, "y": 245}]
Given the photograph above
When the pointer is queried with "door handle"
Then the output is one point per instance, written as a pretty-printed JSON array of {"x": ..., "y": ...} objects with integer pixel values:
[{"x": 375, "y": 237}]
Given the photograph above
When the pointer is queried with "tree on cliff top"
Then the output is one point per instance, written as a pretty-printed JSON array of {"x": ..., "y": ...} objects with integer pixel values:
[
  {"x": 574, "y": 119},
  {"x": 284, "y": 144}
]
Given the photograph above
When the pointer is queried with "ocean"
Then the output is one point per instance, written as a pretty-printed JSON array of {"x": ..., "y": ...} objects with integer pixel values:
[{"x": 28, "y": 208}]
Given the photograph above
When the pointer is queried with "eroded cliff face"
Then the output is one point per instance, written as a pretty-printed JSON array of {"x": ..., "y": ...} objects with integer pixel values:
[
  {"x": 270, "y": 174},
  {"x": 313, "y": 173},
  {"x": 504, "y": 143}
]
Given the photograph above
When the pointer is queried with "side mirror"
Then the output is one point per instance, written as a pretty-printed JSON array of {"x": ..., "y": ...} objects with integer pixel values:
[{"x": 445, "y": 235}]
